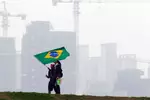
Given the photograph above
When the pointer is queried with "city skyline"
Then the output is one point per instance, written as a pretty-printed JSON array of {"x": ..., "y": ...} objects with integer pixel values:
[
  {"x": 112, "y": 55},
  {"x": 107, "y": 14},
  {"x": 28, "y": 72}
]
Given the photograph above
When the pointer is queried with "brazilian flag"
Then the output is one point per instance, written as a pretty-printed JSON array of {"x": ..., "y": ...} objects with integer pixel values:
[{"x": 52, "y": 55}]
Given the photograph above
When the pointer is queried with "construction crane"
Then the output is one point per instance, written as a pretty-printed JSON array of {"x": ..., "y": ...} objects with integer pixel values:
[
  {"x": 76, "y": 7},
  {"x": 5, "y": 15},
  {"x": 76, "y": 12}
]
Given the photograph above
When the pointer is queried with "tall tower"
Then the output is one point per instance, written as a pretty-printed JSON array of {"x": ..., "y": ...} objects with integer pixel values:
[{"x": 37, "y": 39}]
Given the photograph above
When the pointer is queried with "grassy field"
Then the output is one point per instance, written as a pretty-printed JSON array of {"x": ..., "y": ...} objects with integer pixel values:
[{"x": 42, "y": 96}]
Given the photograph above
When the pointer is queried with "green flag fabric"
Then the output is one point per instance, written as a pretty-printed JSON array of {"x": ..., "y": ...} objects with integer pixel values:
[{"x": 52, "y": 55}]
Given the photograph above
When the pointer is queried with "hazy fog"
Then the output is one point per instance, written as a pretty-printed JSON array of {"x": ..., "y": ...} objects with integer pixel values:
[{"x": 112, "y": 57}]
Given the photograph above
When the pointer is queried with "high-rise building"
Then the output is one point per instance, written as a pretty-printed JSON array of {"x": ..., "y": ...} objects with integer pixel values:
[
  {"x": 8, "y": 64},
  {"x": 38, "y": 39}
]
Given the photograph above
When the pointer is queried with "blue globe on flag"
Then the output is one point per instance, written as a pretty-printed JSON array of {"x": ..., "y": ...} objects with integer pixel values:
[{"x": 53, "y": 54}]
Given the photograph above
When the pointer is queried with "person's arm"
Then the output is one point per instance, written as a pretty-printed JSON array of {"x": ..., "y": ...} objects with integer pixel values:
[
  {"x": 47, "y": 76},
  {"x": 48, "y": 68},
  {"x": 49, "y": 72}
]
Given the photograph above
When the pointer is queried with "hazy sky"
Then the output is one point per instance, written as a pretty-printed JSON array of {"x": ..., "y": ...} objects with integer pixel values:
[
  {"x": 124, "y": 23},
  {"x": 127, "y": 24}
]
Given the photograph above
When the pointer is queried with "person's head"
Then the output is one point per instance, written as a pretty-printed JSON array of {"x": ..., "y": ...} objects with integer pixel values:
[
  {"x": 57, "y": 62},
  {"x": 52, "y": 65}
]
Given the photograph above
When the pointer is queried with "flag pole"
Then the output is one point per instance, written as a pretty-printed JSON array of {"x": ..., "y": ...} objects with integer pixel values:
[{"x": 47, "y": 67}]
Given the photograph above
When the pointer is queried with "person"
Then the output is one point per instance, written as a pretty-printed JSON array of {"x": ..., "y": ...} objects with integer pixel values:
[{"x": 54, "y": 73}]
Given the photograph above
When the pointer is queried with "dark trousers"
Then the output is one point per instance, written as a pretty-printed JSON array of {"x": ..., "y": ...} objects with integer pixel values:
[{"x": 52, "y": 85}]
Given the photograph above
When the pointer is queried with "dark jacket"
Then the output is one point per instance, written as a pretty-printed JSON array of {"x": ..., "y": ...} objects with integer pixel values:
[{"x": 55, "y": 72}]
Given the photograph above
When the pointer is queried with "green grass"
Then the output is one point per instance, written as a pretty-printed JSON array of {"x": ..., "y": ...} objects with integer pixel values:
[{"x": 43, "y": 96}]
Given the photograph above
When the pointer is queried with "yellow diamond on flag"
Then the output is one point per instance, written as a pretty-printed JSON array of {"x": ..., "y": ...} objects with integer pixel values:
[{"x": 54, "y": 54}]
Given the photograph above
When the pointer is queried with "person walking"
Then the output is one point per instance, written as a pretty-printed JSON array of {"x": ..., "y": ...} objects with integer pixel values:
[{"x": 54, "y": 74}]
